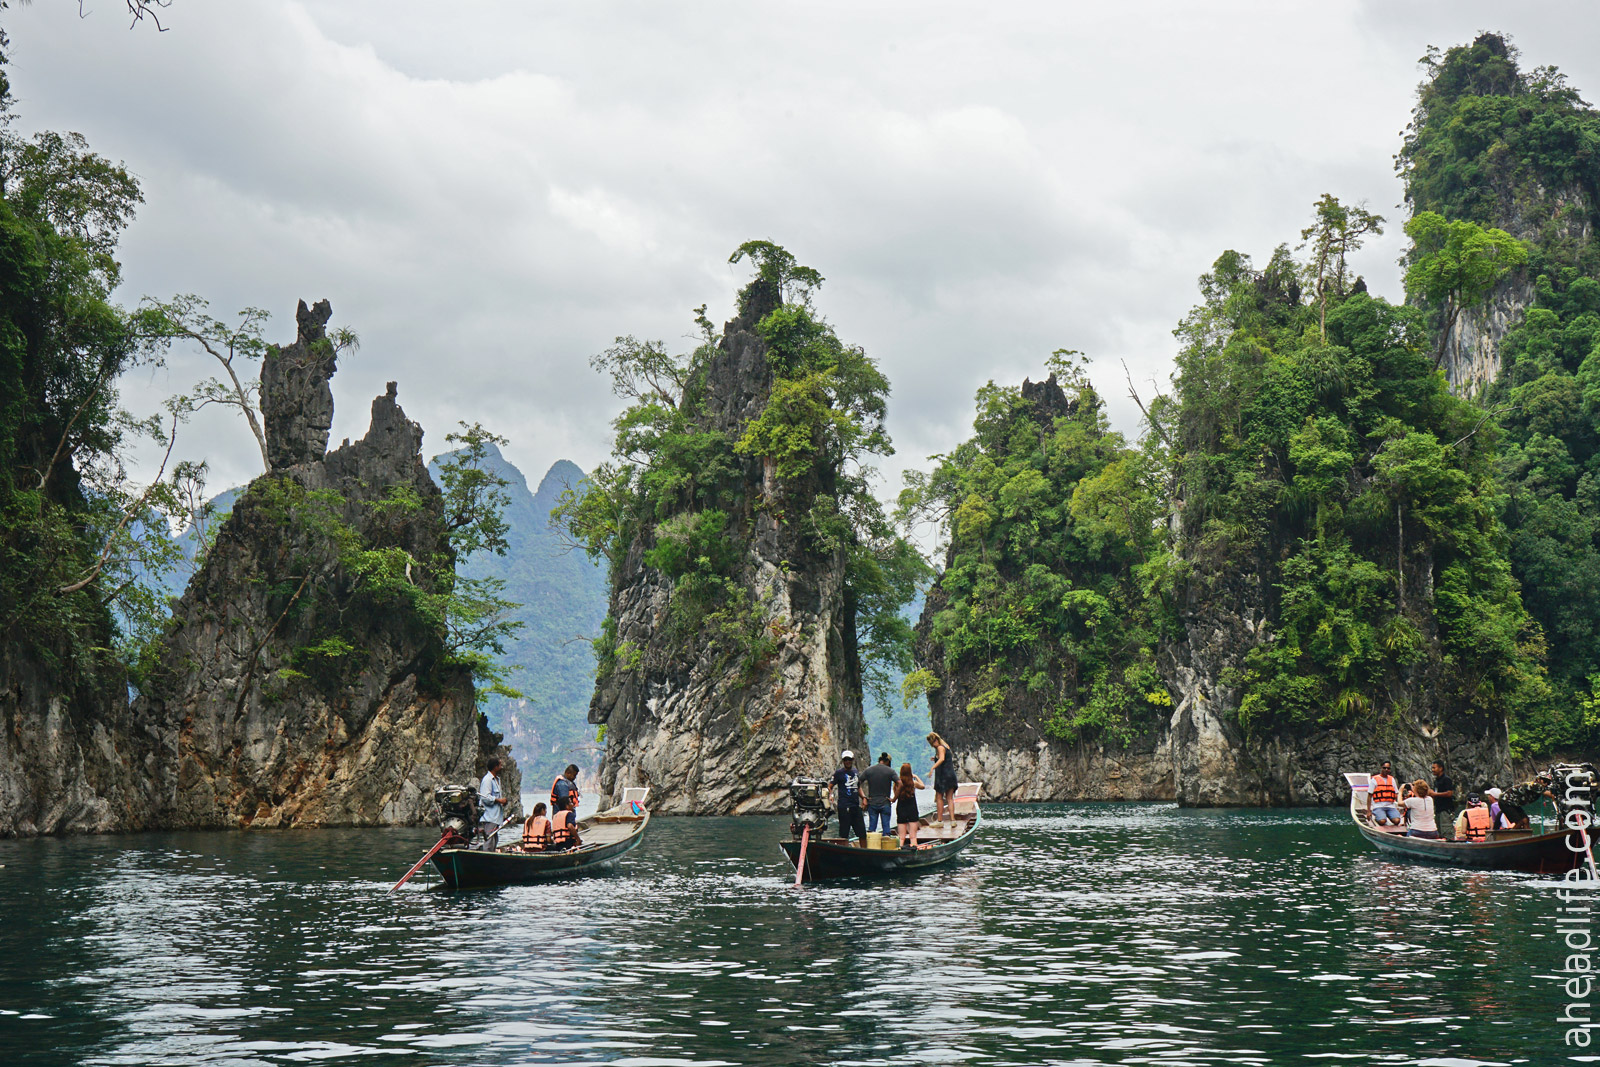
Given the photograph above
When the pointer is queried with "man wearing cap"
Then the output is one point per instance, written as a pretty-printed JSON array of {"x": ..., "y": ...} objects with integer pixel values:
[
  {"x": 1495, "y": 818},
  {"x": 848, "y": 800}
]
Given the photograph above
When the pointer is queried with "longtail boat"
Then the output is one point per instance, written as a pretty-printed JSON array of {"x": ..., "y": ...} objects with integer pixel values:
[
  {"x": 603, "y": 837},
  {"x": 1504, "y": 850},
  {"x": 832, "y": 857}
]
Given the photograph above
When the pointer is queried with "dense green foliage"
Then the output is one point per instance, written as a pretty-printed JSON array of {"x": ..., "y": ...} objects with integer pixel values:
[
  {"x": 1492, "y": 145},
  {"x": 75, "y": 535},
  {"x": 679, "y": 478},
  {"x": 381, "y": 574},
  {"x": 1047, "y": 591},
  {"x": 1349, "y": 466}
]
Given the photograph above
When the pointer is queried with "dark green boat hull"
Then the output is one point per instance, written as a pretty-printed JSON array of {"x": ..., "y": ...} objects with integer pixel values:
[
  {"x": 828, "y": 858},
  {"x": 468, "y": 869},
  {"x": 1535, "y": 853}
]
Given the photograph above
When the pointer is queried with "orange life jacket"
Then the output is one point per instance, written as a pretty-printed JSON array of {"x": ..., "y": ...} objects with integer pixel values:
[
  {"x": 555, "y": 804},
  {"x": 535, "y": 834},
  {"x": 1383, "y": 790},
  {"x": 562, "y": 831},
  {"x": 1478, "y": 823}
]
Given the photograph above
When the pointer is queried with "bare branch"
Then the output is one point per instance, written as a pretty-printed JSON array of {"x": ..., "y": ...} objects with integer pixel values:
[
  {"x": 127, "y": 517},
  {"x": 44, "y": 475},
  {"x": 1134, "y": 393}
]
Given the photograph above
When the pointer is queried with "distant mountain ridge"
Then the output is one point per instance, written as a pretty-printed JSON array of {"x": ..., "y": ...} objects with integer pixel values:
[
  {"x": 562, "y": 594},
  {"x": 563, "y": 601}
]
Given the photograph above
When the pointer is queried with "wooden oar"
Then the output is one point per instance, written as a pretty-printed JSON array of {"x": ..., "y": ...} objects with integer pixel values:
[
  {"x": 428, "y": 856},
  {"x": 800, "y": 865}
]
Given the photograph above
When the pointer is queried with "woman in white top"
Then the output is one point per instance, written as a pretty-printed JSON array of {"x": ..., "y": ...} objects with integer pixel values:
[{"x": 1419, "y": 811}]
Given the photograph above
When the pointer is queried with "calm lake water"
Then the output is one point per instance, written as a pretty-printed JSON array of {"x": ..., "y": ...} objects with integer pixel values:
[{"x": 1067, "y": 934}]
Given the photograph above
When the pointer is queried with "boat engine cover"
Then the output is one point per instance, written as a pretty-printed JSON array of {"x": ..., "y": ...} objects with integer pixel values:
[
  {"x": 458, "y": 808},
  {"x": 810, "y": 797}
]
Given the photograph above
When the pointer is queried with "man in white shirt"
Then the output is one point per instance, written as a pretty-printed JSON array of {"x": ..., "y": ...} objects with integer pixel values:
[{"x": 492, "y": 798}]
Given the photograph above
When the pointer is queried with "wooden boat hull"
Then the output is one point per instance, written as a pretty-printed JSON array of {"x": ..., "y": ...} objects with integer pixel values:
[
  {"x": 468, "y": 869},
  {"x": 1536, "y": 853},
  {"x": 828, "y": 858}
]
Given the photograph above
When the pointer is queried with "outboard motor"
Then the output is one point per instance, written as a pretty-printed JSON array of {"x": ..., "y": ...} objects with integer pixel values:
[
  {"x": 458, "y": 809},
  {"x": 810, "y": 796}
]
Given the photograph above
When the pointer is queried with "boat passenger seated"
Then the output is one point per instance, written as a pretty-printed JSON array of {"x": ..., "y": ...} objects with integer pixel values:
[
  {"x": 536, "y": 831},
  {"x": 1383, "y": 801},
  {"x": 1514, "y": 816},
  {"x": 564, "y": 831},
  {"x": 1474, "y": 822}
]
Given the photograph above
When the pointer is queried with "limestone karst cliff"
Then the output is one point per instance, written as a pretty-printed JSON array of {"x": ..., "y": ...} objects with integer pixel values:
[
  {"x": 1501, "y": 147},
  {"x": 1034, "y": 647},
  {"x": 292, "y": 691},
  {"x": 730, "y": 662}
]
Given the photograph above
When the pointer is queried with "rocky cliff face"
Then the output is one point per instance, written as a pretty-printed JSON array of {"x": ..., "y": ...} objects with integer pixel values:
[
  {"x": 1016, "y": 760},
  {"x": 710, "y": 736},
  {"x": 71, "y": 759},
  {"x": 288, "y": 695},
  {"x": 291, "y": 694},
  {"x": 1559, "y": 219},
  {"x": 1225, "y": 615}
]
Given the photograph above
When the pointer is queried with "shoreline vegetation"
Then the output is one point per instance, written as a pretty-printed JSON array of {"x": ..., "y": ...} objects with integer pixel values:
[{"x": 1351, "y": 527}]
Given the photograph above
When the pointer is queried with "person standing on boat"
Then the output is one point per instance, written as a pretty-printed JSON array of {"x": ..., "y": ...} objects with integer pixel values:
[
  {"x": 905, "y": 800},
  {"x": 1383, "y": 801},
  {"x": 1444, "y": 799},
  {"x": 564, "y": 791},
  {"x": 564, "y": 809},
  {"x": 848, "y": 800},
  {"x": 493, "y": 800},
  {"x": 878, "y": 781},
  {"x": 944, "y": 780},
  {"x": 1419, "y": 811}
]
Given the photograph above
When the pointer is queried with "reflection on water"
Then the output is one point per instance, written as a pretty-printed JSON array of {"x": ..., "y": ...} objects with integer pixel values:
[{"x": 1071, "y": 934}]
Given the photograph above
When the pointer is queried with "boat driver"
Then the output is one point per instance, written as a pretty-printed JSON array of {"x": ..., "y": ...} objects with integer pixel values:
[{"x": 493, "y": 799}]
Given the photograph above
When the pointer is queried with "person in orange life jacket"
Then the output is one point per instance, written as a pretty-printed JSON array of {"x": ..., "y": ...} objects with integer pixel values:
[
  {"x": 536, "y": 831},
  {"x": 1474, "y": 822},
  {"x": 564, "y": 809},
  {"x": 1497, "y": 815},
  {"x": 1383, "y": 801}
]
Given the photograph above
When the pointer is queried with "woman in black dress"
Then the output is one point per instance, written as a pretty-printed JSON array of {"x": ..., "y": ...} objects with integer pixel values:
[
  {"x": 905, "y": 806},
  {"x": 944, "y": 780}
]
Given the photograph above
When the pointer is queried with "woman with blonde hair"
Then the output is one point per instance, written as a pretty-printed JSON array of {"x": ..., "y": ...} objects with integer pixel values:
[
  {"x": 944, "y": 780},
  {"x": 1419, "y": 811}
]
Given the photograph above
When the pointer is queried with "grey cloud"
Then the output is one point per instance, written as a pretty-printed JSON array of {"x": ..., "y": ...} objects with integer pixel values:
[{"x": 489, "y": 193}]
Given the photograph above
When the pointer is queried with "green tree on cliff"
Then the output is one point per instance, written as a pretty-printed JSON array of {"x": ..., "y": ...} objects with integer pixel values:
[
  {"x": 1491, "y": 145},
  {"x": 1455, "y": 265},
  {"x": 1045, "y": 602},
  {"x": 77, "y": 535},
  {"x": 681, "y": 483},
  {"x": 1341, "y": 462}
]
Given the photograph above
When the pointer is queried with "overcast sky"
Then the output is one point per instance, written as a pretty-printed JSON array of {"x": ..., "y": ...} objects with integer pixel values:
[{"x": 489, "y": 192}]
